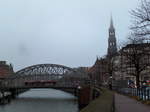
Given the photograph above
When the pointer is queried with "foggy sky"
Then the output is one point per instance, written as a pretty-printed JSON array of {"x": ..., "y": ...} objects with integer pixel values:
[{"x": 67, "y": 32}]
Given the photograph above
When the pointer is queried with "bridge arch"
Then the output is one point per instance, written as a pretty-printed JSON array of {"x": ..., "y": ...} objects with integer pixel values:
[
  {"x": 45, "y": 69},
  {"x": 43, "y": 76}
]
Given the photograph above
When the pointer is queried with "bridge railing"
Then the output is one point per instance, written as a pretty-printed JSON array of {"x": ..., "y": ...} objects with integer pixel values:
[
  {"x": 65, "y": 81},
  {"x": 18, "y": 83}
]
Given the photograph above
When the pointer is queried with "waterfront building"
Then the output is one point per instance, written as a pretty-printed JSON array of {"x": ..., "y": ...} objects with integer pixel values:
[{"x": 5, "y": 69}]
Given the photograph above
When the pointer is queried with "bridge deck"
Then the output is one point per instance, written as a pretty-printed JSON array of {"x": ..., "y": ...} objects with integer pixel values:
[{"x": 40, "y": 87}]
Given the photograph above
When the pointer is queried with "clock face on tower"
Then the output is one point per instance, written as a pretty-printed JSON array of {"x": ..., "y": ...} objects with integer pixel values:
[{"x": 111, "y": 33}]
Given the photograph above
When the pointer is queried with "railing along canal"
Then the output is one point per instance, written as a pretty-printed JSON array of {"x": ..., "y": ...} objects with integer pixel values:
[{"x": 140, "y": 93}]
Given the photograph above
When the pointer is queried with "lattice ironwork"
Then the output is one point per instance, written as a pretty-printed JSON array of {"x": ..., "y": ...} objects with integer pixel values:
[{"x": 45, "y": 69}]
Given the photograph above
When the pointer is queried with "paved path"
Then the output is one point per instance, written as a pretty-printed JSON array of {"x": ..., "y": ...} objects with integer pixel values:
[{"x": 126, "y": 104}]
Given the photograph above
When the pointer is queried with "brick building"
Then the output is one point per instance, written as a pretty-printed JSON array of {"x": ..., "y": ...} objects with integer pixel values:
[
  {"x": 5, "y": 69},
  {"x": 99, "y": 71},
  {"x": 140, "y": 54}
]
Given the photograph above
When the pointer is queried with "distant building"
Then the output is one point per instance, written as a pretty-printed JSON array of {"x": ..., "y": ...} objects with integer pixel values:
[
  {"x": 99, "y": 71},
  {"x": 127, "y": 68},
  {"x": 5, "y": 69}
]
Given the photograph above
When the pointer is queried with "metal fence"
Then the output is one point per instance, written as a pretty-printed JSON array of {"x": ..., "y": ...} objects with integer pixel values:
[{"x": 140, "y": 93}]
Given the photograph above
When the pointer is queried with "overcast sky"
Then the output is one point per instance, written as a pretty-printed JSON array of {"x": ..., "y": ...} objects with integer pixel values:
[{"x": 67, "y": 32}]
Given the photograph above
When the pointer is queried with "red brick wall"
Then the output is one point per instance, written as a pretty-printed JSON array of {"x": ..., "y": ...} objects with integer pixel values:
[
  {"x": 5, "y": 71},
  {"x": 84, "y": 95}
]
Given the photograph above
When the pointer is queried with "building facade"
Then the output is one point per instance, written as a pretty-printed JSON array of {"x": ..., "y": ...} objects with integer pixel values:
[
  {"x": 99, "y": 71},
  {"x": 131, "y": 56},
  {"x": 5, "y": 69}
]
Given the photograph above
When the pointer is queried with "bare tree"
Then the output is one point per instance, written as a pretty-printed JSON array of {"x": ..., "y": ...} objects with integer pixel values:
[
  {"x": 141, "y": 20},
  {"x": 136, "y": 57}
]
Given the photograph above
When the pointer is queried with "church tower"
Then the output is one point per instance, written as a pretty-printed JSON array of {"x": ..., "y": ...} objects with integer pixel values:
[{"x": 112, "y": 46}]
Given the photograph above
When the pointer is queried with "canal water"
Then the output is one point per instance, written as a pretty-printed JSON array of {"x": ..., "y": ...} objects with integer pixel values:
[{"x": 42, "y": 100}]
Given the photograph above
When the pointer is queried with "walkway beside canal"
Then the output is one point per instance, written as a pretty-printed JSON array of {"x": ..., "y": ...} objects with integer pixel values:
[
  {"x": 103, "y": 103},
  {"x": 126, "y": 104}
]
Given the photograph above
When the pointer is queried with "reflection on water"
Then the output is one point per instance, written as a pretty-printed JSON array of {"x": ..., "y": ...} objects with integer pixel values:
[{"x": 42, "y": 100}]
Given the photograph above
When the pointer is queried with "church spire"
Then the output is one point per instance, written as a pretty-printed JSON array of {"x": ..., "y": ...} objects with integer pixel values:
[
  {"x": 112, "y": 45},
  {"x": 111, "y": 23}
]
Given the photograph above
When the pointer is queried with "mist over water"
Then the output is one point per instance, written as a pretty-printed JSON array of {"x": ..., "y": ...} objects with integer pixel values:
[{"x": 42, "y": 100}]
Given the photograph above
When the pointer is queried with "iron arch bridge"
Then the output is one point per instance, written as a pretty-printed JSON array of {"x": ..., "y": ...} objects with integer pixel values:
[
  {"x": 45, "y": 69},
  {"x": 46, "y": 76}
]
